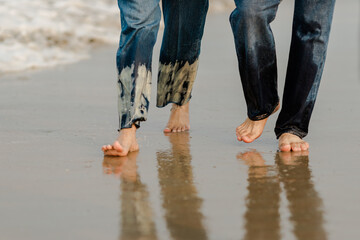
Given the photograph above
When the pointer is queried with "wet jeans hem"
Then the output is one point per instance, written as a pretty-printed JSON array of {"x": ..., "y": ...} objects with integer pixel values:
[
  {"x": 136, "y": 122},
  {"x": 265, "y": 115},
  {"x": 179, "y": 103}
]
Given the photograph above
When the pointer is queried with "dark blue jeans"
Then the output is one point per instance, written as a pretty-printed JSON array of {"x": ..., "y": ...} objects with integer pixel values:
[
  {"x": 184, "y": 25},
  {"x": 255, "y": 48}
]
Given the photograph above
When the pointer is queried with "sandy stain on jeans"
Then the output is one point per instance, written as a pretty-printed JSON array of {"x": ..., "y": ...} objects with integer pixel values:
[
  {"x": 134, "y": 94},
  {"x": 175, "y": 82}
]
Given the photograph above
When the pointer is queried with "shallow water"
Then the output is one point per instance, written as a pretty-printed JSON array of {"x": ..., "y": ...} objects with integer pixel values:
[
  {"x": 283, "y": 184},
  {"x": 45, "y": 33},
  {"x": 56, "y": 184}
]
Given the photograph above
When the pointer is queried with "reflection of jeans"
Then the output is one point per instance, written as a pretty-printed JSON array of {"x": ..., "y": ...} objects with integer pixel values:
[
  {"x": 184, "y": 25},
  {"x": 255, "y": 49}
]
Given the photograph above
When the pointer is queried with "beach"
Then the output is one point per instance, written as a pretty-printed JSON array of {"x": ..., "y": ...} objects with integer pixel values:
[
  {"x": 55, "y": 182},
  {"x": 40, "y": 34}
]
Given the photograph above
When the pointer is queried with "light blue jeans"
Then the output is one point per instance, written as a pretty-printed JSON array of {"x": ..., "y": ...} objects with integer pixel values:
[{"x": 184, "y": 25}]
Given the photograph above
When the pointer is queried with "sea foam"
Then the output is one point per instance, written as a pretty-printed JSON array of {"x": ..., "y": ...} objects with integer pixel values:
[{"x": 43, "y": 33}]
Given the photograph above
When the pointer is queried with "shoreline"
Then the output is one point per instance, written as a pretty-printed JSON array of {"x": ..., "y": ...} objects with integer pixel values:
[
  {"x": 50, "y": 40},
  {"x": 57, "y": 184}
]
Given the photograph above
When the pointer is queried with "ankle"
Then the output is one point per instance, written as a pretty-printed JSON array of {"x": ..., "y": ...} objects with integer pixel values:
[
  {"x": 128, "y": 130},
  {"x": 182, "y": 107}
]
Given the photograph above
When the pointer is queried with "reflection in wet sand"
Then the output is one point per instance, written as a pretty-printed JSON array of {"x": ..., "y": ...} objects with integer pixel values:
[
  {"x": 263, "y": 201},
  {"x": 262, "y": 215},
  {"x": 305, "y": 203},
  {"x": 180, "y": 200},
  {"x": 136, "y": 214}
]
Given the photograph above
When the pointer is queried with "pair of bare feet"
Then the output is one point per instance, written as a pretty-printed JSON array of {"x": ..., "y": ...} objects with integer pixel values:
[
  {"x": 126, "y": 141},
  {"x": 179, "y": 122},
  {"x": 251, "y": 130}
]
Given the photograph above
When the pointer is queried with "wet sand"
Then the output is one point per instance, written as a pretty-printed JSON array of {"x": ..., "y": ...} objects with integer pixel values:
[{"x": 56, "y": 184}]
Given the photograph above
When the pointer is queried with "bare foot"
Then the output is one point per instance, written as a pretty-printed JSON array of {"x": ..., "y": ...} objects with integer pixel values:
[
  {"x": 251, "y": 130},
  {"x": 179, "y": 119},
  {"x": 125, "y": 143},
  {"x": 290, "y": 142}
]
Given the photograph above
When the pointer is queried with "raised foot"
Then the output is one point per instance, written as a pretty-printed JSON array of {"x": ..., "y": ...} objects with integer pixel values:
[
  {"x": 179, "y": 119},
  {"x": 290, "y": 142},
  {"x": 124, "y": 144},
  {"x": 250, "y": 130}
]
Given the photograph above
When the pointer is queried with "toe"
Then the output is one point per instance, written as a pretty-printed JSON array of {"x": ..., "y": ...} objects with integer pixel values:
[
  {"x": 285, "y": 147},
  {"x": 114, "y": 153},
  {"x": 167, "y": 130},
  {"x": 304, "y": 146},
  {"x": 105, "y": 148},
  {"x": 237, "y": 133},
  {"x": 242, "y": 136},
  {"x": 247, "y": 139},
  {"x": 250, "y": 137},
  {"x": 295, "y": 147}
]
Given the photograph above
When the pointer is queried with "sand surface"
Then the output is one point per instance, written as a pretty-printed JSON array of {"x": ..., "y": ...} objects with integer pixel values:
[{"x": 56, "y": 184}]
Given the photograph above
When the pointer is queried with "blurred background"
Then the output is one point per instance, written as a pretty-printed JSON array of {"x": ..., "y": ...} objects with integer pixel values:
[{"x": 43, "y": 33}]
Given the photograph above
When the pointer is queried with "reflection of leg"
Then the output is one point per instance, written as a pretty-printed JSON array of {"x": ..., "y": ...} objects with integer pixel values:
[
  {"x": 180, "y": 199},
  {"x": 262, "y": 213},
  {"x": 114, "y": 165},
  {"x": 184, "y": 25},
  {"x": 124, "y": 167},
  {"x": 136, "y": 214},
  {"x": 304, "y": 202},
  {"x": 255, "y": 48},
  {"x": 311, "y": 28}
]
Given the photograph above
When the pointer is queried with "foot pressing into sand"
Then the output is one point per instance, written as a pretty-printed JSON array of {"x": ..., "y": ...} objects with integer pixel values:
[
  {"x": 290, "y": 142},
  {"x": 179, "y": 119},
  {"x": 250, "y": 130},
  {"x": 124, "y": 144}
]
